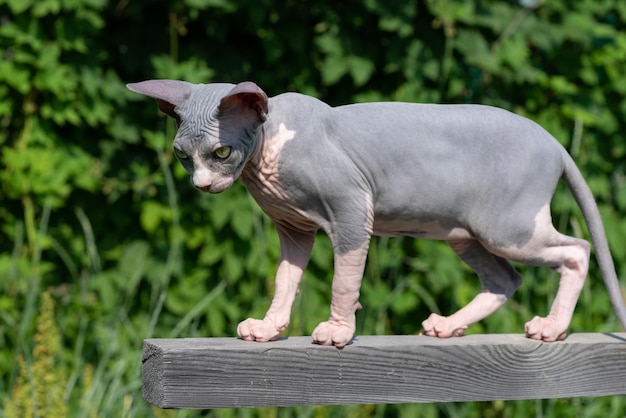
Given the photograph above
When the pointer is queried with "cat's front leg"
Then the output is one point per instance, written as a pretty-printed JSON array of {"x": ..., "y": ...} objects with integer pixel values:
[
  {"x": 295, "y": 252},
  {"x": 341, "y": 325}
]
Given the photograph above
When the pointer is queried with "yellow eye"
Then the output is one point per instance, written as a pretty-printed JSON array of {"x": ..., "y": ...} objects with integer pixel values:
[
  {"x": 222, "y": 152},
  {"x": 180, "y": 154}
]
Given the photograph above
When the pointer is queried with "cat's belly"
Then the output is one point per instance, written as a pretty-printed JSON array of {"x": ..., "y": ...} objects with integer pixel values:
[{"x": 419, "y": 229}]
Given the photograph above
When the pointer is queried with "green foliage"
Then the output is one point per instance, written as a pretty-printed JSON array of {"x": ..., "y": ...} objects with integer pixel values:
[{"x": 95, "y": 207}]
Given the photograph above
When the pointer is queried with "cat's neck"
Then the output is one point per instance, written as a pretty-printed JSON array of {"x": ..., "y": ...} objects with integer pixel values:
[{"x": 260, "y": 174}]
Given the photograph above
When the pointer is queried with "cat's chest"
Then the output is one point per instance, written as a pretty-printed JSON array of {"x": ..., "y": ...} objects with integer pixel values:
[
  {"x": 275, "y": 202},
  {"x": 262, "y": 178}
]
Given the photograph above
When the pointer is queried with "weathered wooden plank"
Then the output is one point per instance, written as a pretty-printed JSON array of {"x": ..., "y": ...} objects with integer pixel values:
[{"x": 227, "y": 372}]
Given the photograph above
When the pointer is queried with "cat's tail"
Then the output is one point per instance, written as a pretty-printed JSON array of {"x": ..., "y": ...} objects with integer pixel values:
[{"x": 583, "y": 196}]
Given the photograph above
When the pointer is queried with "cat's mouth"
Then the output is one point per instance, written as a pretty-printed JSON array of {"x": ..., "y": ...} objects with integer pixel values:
[{"x": 205, "y": 189}]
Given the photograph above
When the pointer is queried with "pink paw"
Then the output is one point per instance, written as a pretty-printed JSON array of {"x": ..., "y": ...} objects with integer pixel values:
[
  {"x": 259, "y": 330},
  {"x": 442, "y": 327},
  {"x": 545, "y": 329},
  {"x": 333, "y": 333}
]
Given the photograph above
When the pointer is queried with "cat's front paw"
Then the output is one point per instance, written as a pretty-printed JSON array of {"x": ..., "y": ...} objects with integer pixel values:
[
  {"x": 442, "y": 327},
  {"x": 261, "y": 330},
  {"x": 545, "y": 329},
  {"x": 333, "y": 333}
]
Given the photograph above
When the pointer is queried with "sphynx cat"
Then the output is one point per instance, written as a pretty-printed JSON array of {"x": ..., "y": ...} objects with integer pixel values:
[{"x": 478, "y": 177}]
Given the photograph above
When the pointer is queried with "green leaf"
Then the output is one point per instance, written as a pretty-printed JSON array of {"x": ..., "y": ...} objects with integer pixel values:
[
  {"x": 153, "y": 214},
  {"x": 233, "y": 267},
  {"x": 242, "y": 225},
  {"x": 46, "y": 7},
  {"x": 475, "y": 49},
  {"x": 204, "y": 4},
  {"x": 15, "y": 76},
  {"x": 329, "y": 43},
  {"x": 19, "y": 6},
  {"x": 192, "y": 70},
  {"x": 333, "y": 68},
  {"x": 361, "y": 70},
  {"x": 404, "y": 302},
  {"x": 514, "y": 52}
]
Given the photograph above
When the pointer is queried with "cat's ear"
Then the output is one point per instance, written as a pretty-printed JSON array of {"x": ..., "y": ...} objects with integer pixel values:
[
  {"x": 246, "y": 95},
  {"x": 168, "y": 93}
]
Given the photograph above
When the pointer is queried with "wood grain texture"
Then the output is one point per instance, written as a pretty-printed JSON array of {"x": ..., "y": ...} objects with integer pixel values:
[{"x": 227, "y": 372}]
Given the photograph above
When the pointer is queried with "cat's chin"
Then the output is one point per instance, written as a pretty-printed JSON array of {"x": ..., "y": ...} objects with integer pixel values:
[{"x": 217, "y": 187}]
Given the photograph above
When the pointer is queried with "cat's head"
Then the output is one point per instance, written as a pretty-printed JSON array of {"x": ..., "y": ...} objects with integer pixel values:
[{"x": 216, "y": 126}]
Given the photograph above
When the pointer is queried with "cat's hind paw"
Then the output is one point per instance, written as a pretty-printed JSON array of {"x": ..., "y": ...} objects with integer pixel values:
[
  {"x": 333, "y": 333},
  {"x": 261, "y": 330},
  {"x": 545, "y": 329}
]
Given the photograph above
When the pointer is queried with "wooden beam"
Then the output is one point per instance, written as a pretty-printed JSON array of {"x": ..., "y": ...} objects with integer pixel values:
[{"x": 226, "y": 372}]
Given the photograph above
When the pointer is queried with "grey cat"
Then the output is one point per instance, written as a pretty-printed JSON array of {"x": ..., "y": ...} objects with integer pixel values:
[{"x": 478, "y": 177}]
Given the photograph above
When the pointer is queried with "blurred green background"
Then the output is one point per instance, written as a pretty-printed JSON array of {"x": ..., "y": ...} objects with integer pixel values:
[{"x": 103, "y": 241}]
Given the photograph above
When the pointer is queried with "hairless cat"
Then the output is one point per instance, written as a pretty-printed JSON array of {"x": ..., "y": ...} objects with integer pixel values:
[{"x": 478, "y": 177}]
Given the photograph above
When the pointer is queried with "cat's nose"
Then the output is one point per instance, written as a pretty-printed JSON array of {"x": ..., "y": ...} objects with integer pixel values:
[{"x": 203, "y": 179}]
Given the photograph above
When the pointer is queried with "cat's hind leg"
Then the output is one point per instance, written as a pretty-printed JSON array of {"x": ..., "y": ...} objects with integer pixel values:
[
  {"x": 499, "y": 281},
  {"x": 569, "y": 257}
]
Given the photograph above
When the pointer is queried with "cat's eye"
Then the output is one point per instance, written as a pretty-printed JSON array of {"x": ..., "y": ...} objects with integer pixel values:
[
  {"x": 180, "y": 154},
  {"x": 222, "y": 152}
]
